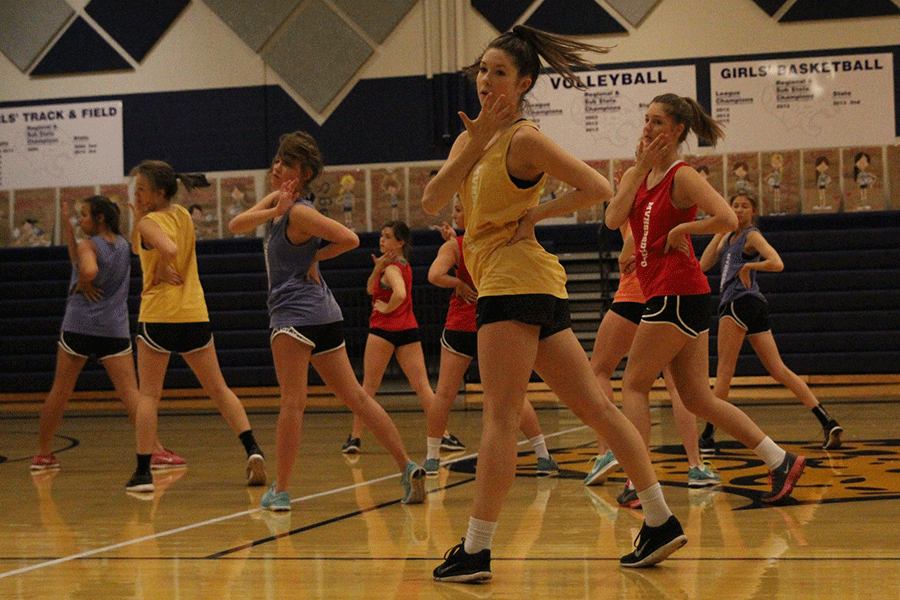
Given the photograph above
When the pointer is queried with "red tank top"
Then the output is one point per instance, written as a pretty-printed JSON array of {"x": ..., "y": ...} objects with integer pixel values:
[
  {"x": 652, "y": 218},
  {"x": 400, "y": 318},
  {"x": 461, "y": 315}
]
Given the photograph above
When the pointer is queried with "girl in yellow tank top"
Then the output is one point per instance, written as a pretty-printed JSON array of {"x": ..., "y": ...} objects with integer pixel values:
[{"x": 498, "y": 165}]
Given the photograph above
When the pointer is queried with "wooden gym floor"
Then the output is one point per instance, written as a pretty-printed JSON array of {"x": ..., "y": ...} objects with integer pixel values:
[{"x": 76, "y": 533}]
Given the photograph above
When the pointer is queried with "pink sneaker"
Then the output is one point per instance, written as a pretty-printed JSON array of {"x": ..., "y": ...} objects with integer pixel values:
[
  {"x": 167, "y": 460},
  {"x": 43, "y": 462}
]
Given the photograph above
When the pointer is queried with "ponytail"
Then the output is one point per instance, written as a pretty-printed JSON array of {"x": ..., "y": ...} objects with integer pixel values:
[{"x": 688, "y": 112}]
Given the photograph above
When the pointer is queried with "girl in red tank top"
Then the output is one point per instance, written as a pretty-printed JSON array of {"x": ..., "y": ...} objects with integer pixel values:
[
  {"x": 660, "y": 199},
  {"x": 393, "y": 330}
]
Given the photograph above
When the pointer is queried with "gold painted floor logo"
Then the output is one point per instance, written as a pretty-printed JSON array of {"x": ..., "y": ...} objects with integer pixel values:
[{"x": 860, "y": 470}]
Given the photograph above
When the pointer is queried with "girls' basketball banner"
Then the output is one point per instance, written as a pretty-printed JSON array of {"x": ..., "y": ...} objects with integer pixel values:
[
  {"x": 61, "y": 145},
  {"x": 809, "y": 102},
  {"x": 604, "y": 119}
]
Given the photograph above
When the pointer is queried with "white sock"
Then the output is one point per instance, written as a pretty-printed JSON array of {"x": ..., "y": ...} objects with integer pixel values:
[
  {"x": 479, "y": 535},
  {"x": 540, "y": 446},
  {"x": 771, "y": 453},
  {"x": 434, "y": 447},
  {"x": 656, "y": 511}
]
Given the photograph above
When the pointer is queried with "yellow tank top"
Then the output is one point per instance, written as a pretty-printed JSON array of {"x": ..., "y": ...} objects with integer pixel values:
[
  {"x": 494, "y": 205},
  {"x": 164, "y": 303}
]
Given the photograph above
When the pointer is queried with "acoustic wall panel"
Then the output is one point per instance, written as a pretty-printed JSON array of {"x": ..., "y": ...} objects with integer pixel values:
[
  {"x": 502, "y": 15},
  {"x": 377, "y": 19},
  {"x": 317, "y": 53},
  {"x": 770, "y": 6},
  {"x": 574, "y": 17},
  {"x": 815, "y": 10},
  {"x": 634, "y": 11},
  {"x": 136, "y": 26},
  {"x": 254, "y": 22},
  {"x": 27, "y": 26},
  {"x": 80, "y": 50}
]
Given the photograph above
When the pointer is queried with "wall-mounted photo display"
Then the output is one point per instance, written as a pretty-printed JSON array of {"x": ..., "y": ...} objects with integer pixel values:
[
  {"x": 821, "y": 181},
  {"x": 419, "y": 176},
  {"x": 118, "y": 193},
  {"x": 70, "y": 199},
  {"x": 389, "y": 196},
  {"x": 341, "y": 195},
  {"x": 34, "y": 215},
  {"x": 202, "y": 203},
  {"x": 742, "y": 174},
  {"x": 5, "y": 218},
  {"x": 780, "y": 182},
  {"x": 892, "y": 170},
  {"x": 237, "y": 194},
  {"x": 864, "y": 188}
]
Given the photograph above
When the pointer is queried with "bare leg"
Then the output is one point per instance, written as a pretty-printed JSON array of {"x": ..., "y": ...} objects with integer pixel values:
[
  {"x": 764, "y": 345},
  {"x": 612, "y": 343},
  {"x": 375, "y": 361},
  {"x": 335, "y": 370},
  {"x": 205, "y": 365},
  {"x": 121, "y": 373},
  {"x": 152, "y": 366},
  {"x": 504, "y": 375},
  {"x": 291, "y": 357},
  {"x": 68, "y": 367},
  {"x": 450, "y": 378}
]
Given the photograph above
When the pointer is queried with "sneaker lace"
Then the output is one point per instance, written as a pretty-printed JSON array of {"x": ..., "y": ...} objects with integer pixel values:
[{"x": 455, "y": 550}]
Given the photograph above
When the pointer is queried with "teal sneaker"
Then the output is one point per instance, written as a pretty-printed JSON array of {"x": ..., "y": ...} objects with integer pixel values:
[
  {"x": 547, "y": 467},
  {"x": 276, "y": 501},
  {"x": 703, "y": 476},
  {"x": 431, "y": 467},
  {"x": 604, "y": 464},
  {"x": 413, "y": 482}
]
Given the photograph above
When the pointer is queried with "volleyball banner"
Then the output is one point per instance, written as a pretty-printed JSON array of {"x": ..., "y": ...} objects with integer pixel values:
[{"x": 604, "y": 119}]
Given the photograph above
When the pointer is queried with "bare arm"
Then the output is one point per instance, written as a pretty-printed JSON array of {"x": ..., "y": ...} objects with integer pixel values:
[
  {"x": 381, "y": 263},
  {"x": 154, "y": 238},
  {"x": 771, "y": 261},
  {"x": 87, "y": 271},
  {"x": 712, "y": 252},
  {"x": 448, "y": 258},
  {"x": 645, "y": 156},
  {"x": 394, "y": 278},
  {"x": 467, "y": 150},
  {"x": 532, "y": 153},
  {"x": 69, "y": 232},
  {"x": 271, "y": 207},
  {"x": 688, "y": 189}
]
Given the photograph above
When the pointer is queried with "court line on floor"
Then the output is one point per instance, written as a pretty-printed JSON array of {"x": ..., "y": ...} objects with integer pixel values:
[{"x": 184, "y": 528}]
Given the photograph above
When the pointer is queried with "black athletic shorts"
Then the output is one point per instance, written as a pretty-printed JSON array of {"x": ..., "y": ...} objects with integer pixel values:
[
  {"x": 690, "y": 314},
  {"x": 548, "y": 312},
  {"x": 749, "y": 312},
  {"x": 322, "y": 338},
  {"x": 182, "y": 338},
  {"x": 79, "y": 344},
  {"x": 397, "y": 338},
  {"x": 464, "y": 343},
  {"x": 633, "y": 311}
]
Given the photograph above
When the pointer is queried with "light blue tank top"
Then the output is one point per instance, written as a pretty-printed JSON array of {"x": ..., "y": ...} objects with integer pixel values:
[
  {"x": 731, "y": 261},
  {"x": 108, "y": 317},
  {"x": 294, "y": 300}
]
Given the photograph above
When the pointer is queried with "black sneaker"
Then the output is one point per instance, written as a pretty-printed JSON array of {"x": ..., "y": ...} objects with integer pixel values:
[
  {"x": 654, "y": 544},
  {"x": 784, "y": 477},
  {"x": 140, "y": 482},
  {"x": 707, "y": 445},
  {"x": 629, "y": 497},
  {"x": 462, "y": 567},
  {"x": 833, "y": 433},
  {"x": 451, "y": 442},
  {"x": 352, "y": 445}
]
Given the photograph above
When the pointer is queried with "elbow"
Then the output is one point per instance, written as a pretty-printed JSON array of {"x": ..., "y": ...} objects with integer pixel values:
[
  {"x": 88, "y": 273},
  {"x": 429, "y": 205},
  {"x": 351, "y": 240},
  {"x": 778, "y": 266}
]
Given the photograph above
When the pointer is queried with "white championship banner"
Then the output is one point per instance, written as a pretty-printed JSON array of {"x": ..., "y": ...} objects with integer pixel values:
[
  {"x": 61, "y": 145},
  {"x": 812, "y": 102},
  {"x": 605, "y": 119}
]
